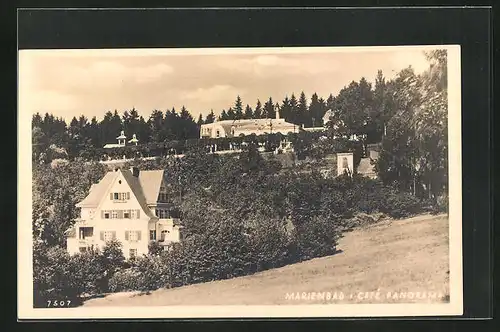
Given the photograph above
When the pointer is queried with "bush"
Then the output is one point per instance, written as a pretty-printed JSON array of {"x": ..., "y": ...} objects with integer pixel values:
[
  {"x": 268, "y": 242},
  {"x": 442, "y": 204},
  {"x": 52, "y": 277},
  {"x": 316, "y": 238},
  {"x": 88, "y": 273},
  {"x": 125, "y": 280},
  {"x": 154, "y": 248},
  {"x": 401, "y": 204}
]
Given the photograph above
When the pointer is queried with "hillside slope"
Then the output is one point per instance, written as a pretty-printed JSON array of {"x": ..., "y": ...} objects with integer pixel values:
[{"x": 404, "y": 256}]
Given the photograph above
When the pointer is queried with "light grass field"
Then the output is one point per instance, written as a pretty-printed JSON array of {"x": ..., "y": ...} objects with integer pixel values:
[{"x": 393, "y": 261}]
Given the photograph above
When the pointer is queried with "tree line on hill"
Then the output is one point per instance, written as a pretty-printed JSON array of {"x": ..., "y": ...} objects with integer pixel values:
[
  {"x": 359, "y": 108},
  {"x": 407, "y": 114}
]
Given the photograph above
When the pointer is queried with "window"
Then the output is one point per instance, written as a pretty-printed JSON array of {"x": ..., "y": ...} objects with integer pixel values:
[
  {"x": 133, "y": 236},
  {"x": 217, "y": 133},
  {"x": 160, "y": 213},
  {"x": 106, "y": 215},
  {"x": 152, "y": 235},
  {"x": 132, "y": 253},
  {"x": 126, "y": 214},
  {"x": 114, "y": 214},
  {"x": 86, "y": 232},
  {"x": 164, "y": 234},
  {"x": 134, "y": 214},
  {"x": 120, "y": 196},
  {"x": 163, "y": 197},
  {"x": 108, "y": 236},
  {"x": 83, "y": 249}
]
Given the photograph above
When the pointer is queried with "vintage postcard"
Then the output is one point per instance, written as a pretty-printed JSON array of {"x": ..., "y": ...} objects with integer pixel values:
[{"x": 240, "y": 183}]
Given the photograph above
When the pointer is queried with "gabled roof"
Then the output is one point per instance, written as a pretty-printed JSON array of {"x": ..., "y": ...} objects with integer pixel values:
[
  {"x": 150, "y": 182},
  {"x": 97, "y": 191},
  {"x": 145, "y": 188},
  {"x": 136, "y": 187},
  {"x": 365, "y": 166}
]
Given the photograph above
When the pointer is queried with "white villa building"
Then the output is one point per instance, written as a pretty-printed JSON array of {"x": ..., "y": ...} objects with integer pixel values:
[
  {"x": 235, "y": 128},
  {"x": 129, "y": 206}
]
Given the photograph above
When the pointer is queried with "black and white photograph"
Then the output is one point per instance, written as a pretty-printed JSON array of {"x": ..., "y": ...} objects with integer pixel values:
[{"x": 240, "y": 182}]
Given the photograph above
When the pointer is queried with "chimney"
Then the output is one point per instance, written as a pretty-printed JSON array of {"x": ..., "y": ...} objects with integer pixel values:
[{"x": 134, "y": 171}]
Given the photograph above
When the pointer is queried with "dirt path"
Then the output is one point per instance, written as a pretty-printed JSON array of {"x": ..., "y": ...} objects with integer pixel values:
[{"x": 406, "y": 257}]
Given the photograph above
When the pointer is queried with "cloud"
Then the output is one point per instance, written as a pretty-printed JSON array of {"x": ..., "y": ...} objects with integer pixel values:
[
  {"x": 151, "y": 73},
  {"x": 103, "y": 74},
  {"x": 265, "y": 65},
  {"x": 403, "y": 59},
  {"x": 46, "y": 101},
  {"x": 213, "y": 94}
]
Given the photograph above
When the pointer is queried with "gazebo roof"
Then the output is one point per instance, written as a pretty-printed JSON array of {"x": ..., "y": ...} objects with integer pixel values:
[
  {"x": 134, "y": 139},
  {"x": 122, "y": 135}
]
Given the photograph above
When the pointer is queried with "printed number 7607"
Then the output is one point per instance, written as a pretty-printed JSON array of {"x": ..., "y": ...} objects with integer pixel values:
[{"x": 62, "y": 303}]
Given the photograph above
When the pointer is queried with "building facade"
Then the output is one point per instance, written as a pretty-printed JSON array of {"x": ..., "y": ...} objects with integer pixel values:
[
  {"x": 127, "y": 205},
  {"x": 245, "y": 127}
]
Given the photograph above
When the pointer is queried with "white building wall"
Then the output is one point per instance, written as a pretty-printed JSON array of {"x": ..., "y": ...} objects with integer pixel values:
[
  {"x": 345, "y": 161},
  {"x": 118, "y": 226}
]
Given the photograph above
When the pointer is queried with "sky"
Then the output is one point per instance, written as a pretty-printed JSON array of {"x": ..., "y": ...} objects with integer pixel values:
[{"x": 70, "y": 83}]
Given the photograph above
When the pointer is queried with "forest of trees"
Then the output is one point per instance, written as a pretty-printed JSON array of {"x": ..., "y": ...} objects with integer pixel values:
[{"x": 354, "y": 105}]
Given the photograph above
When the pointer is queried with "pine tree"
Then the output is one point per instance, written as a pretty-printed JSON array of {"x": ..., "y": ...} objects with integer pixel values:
[
  {"x": 238, "y": 109},
  {"x": 143, "y": 132},
  {"x": 268, "y": 110},
  {"x": 94, "y": 133},
  {"x": 294, "y": 110},
  {"x": 330, "y": 103},
  {"x": 286, "y": 109},
  {"x": 210, "y": 117},
  {"x": 223, "y": 116},
  {"x": 155, "y": 124},
  {"x": 200, "y": 121},
  {"x": 315, "y": 110},
  {"x": 36, "y": 120},
  {"x": 230, "y": 114},
  {"x": 187, "y": 127},
  {"x": 115, "y": 127},
  {"x": 257, "y": 114},
  {"x": 248, "y": 112},
  {"x": 303, "y": 116}
]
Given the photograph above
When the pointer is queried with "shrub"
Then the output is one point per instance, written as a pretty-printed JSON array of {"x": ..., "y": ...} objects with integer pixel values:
[
  {"x": 316, "y": 238},
  {"x": 88, "y": 273},
  {"x": 400, "y": 204},
  {"x": 125, "y": 280},
  {"x": 112, "y": 257},
  {"x": 268, "y": 242},
  {"x": 154, "y": 248},
  {"x": 442, "y": 204}
]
